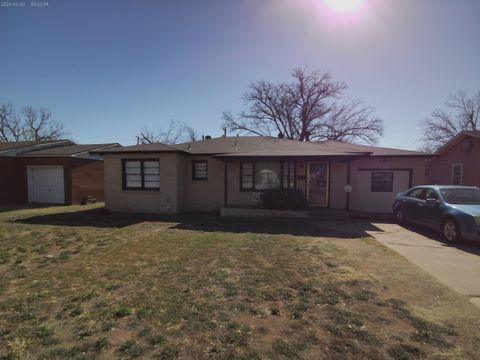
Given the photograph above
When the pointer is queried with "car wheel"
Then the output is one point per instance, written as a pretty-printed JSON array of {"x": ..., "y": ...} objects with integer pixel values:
[
  {"x": 400, "y": 216},
  {"x": 451, "y": 231}
]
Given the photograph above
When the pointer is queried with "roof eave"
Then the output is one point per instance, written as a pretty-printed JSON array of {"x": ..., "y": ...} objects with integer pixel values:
[
  {"x": 452, "y": 142},
  {"x": 405, "y": 155},
  {"x": 138, "y": 152}
]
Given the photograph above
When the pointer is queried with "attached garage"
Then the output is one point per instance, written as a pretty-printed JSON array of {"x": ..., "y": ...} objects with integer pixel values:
[
  {"x": 46, "y": 184},
  {"x": 375, "y": 189}
]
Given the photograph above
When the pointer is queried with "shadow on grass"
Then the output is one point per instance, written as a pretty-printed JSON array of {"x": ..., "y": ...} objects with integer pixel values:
[
  {"x": 23, "y": 206},
  {"x": 102, "y": 218}
]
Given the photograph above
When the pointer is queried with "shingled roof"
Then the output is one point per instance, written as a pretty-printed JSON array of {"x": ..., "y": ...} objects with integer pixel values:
[
  {"x": 142, "y": 148},
  {"x": 264, "y": 146},
  {"x": 69, "y": 150},
  {"x": 456, "y": 139},
  {"x": 248, "y": 146},
  {"x": 15, "y": 145}
]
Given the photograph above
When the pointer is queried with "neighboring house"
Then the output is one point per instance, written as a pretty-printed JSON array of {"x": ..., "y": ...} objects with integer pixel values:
[
  {"x": 59, "y": 172},
  {"x": 457, "y": 162},
  {"x": 233, "y": 172}
]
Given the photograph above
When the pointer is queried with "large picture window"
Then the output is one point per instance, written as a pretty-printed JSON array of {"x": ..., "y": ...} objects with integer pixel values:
[
  {"x": 265, "y": 175},
  {"x": 382, "y": 181},
  {"x": 141, "y": 175}
]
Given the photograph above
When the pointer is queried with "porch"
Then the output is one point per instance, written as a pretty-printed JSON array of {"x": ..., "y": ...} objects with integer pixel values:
[{"x": 321, "y": 180}]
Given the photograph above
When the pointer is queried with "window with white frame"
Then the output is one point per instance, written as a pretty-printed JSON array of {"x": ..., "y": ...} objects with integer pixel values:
[
  {"x": 457, "y": 174},
  {"x": 141, "y": 174}
]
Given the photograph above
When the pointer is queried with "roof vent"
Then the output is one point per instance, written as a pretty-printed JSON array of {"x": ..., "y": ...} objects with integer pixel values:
[{"x": 208, "y": 137}]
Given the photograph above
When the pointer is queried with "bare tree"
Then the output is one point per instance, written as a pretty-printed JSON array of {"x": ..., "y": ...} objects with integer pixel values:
[
  {"x": 32, "y": 124},
  {"x": 10, "y": 125},
  {"x": 462, "y": 113},
  {"x": 173, "y": 134},
  {"x": 307, "y": 109},
  {"x": 39, "y": 125}
]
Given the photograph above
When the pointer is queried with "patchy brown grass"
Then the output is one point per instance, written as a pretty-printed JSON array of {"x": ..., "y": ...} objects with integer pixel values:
[{"x": 88, "y": 284}]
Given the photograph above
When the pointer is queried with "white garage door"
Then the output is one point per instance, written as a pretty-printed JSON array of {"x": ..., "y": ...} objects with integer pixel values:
[
  {"x": 375, "y": 190},
  {"x": 45, "y": 184}
]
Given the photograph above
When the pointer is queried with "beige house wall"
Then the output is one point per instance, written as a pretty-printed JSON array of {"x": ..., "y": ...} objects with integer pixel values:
[
  {"x": 338, "y": 180},
  {"x": 205, "y": 195},
  {"x": 179, "y": 192},
  {"x": 164, "y": 201},
  {"x": 182, "y": 195},
  {"x": 236, "y": 197},
  {"x": 362, "y": 199}
]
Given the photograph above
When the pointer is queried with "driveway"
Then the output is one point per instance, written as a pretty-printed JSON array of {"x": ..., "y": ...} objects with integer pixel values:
[{"x": 456, "y": 266}]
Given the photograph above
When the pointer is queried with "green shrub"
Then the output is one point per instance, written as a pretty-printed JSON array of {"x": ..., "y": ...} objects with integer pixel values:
[{"x": 279, "y": 199}]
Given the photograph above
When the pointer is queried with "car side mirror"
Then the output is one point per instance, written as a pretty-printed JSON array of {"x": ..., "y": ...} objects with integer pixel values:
[{"x": 433, "y": 202}]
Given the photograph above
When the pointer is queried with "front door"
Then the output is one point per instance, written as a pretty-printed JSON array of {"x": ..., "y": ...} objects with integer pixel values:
[{"x": 317, "y": 193}]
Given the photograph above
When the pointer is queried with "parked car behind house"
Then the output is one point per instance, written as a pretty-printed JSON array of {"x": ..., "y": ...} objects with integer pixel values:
[{"x": 454, "y": 210}]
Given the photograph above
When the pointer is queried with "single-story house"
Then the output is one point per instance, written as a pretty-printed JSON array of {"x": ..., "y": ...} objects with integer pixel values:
[
  {"x": 57, "y": 172},
  {"x": 457, "y": 162},
  {"x": 230, "y": 172}
]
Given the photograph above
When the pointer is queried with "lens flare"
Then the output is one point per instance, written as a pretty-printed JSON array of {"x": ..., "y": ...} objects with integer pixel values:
[{"x": 343, "y": 6}]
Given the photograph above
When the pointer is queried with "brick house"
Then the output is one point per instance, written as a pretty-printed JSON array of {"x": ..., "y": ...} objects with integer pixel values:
[
  {"x": 457, "y": 162},
  {"x": 235, "y": 172},
  {"x": 59, "y": 172}
]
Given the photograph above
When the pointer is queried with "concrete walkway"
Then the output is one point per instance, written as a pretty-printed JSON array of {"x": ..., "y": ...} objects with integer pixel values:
[{"x": 456, "y": 266}]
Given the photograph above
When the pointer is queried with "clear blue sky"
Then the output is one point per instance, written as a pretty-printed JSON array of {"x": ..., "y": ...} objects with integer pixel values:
[{"x": 107, "y": 68}]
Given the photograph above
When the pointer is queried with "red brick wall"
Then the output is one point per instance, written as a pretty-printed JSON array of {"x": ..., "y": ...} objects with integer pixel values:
[
  {"x": 82, "y": 177},
  {"x": 11, "y": 190},
  {"x": 439, "y": 170},
  {"x": 87, "y": 180}
]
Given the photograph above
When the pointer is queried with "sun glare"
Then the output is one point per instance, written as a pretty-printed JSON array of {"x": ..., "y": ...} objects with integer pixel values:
[{"x": 343, "y": 6}]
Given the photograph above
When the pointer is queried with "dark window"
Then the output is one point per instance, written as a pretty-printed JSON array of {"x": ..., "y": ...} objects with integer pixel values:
[
  {"x": 416, "y": 193},
  {"x": 457, "y": 174},
  {"x": 246, "y": 176},
  {"x": 265, "y": 175},
  {"x": 288, "y": 175},
  {"x": 199, "y": 170},
  {"x": 470, "y": 196},
  {"x": 382, "y": 181},
  {"x": 141, "y": 175},
  {"x": 431, "y": 194}
]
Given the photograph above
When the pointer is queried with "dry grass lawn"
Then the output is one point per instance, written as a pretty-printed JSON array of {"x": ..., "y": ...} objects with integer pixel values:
[{"x": 80, "y": 283}]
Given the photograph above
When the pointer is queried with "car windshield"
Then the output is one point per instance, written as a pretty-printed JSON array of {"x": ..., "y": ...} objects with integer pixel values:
[{"x": 461, "y": 196}]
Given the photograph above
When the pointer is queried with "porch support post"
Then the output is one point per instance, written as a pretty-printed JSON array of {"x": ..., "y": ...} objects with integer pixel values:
[
  {"x": 225, "y": 188},
  {"x": 347, "y": 205}
]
